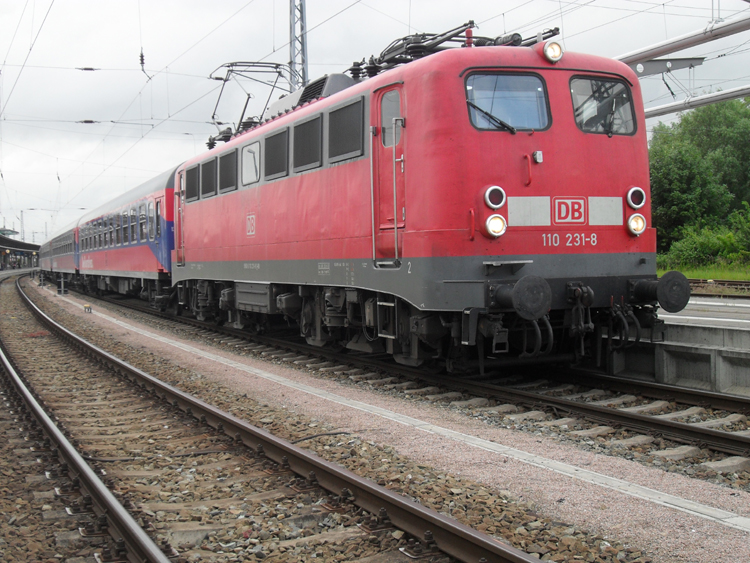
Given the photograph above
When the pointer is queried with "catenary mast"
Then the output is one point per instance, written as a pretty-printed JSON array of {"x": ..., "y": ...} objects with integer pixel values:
[{"x": 298, "y": 43}]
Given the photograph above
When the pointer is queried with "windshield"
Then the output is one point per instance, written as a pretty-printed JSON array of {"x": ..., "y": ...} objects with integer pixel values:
[
  {"x": 602, "y": 106},
  {"x": 515, "y": 100}
]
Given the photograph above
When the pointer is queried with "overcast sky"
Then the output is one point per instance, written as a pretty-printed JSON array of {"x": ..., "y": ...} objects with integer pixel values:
[{"x": 146, "y": 122}]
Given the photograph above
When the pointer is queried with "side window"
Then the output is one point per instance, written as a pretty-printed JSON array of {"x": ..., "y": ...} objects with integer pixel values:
[
  {"x": 308, "y": 144},
  {"x": 208, "y": 178},
  {"x": 151, "y": 222},
  {"x": 390, "y": 107},
  {"x": 251, "y": 163},
  {"x": 346, "y": 132},
  {"x": 118, "y": 230},
  {"x": 133, "y": 225},
  {"x": 276, "y": 163},
  {"x": 228, "y": 172},
  {"x": 125, "y": 228},
  {"x": 100, "y": 234},
  {"x": 142, "y": 223},
  {"x": 158, "y": 219},
  {"x": 111, "y": 231},
  {"x": 192, "y": 183}
]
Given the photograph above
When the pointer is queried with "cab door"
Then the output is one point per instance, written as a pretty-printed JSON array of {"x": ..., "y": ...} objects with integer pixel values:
[{"x": 389, "y": 144}]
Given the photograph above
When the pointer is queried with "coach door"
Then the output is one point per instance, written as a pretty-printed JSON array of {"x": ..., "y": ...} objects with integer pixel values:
[
  {"x": 179, "y": 227},
  {"x": 388, "y": 146}
]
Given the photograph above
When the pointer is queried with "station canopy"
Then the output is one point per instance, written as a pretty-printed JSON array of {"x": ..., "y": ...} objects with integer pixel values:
[{"x": 17, "y": 245}]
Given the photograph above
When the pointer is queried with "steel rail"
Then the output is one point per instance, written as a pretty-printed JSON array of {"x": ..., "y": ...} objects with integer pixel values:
[
  {"x": 654, "y": 390},
  {"x": 718, "y": 440},
  {"x": 141, "y": 549},
  {"x": 456, "y": 539}
]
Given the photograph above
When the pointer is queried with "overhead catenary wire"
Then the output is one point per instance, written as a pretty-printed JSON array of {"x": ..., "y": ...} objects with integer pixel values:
[{"x": 18, "y": 77}]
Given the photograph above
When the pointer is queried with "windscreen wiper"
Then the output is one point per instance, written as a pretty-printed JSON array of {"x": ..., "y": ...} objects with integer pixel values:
[
  {"x": 496, "y": 120},
  {"x": 609, "y": 120}
]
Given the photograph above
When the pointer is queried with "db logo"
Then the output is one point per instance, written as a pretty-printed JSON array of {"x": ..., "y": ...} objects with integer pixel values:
[
  {"x": 251, "y": 225},
  {"x": 569, "y": 210}
]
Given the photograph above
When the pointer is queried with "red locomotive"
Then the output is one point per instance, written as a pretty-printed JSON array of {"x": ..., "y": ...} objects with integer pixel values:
[{"x": 480, "y": 205}]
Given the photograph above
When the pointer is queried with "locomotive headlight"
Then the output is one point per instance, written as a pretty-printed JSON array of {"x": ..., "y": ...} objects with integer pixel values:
[
  {"x": 637, "y": 224},
  {"x": 636, "y": 198},
  {"x": 553, "y": 51},
  {"x": 494, "y": 197},
  {"x": 496, "y": 225}
]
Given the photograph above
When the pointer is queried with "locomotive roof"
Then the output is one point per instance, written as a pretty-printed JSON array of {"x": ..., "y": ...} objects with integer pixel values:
[{"x": 458, "y": 60}]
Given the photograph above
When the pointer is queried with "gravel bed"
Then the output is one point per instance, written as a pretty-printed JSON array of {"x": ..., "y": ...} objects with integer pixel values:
[
  {"x": 31, "y": 518},
  {"x": 578, "y": 520}
]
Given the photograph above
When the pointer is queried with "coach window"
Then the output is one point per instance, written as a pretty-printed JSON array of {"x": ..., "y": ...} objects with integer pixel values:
[
  {"x": 133, "y": 225},
  {"x": 142, "y": 223},
  {"x": 228, "y": 172},
  {"x": 118, "y": 230},
  {"x": 158, "y": 218},
  {"x": 251, "y": 163},
  {"x": 602, "y": 106},
  {"x": 208, "y": 178},
  {"x": 192, "y": 183},
  {"x": 125, "y": 227},
  {"x": 111, "y": 231},
  {"x": 507, "y": 102},
  {"x": 308, "y": 144},
  {"x": 276, "y": 164},
  {"x": 151, "y": 220},
  {"x": 345, "y": 132},
  {"x": 390, "y": 107},
  {"x": 100, "y": 233}
]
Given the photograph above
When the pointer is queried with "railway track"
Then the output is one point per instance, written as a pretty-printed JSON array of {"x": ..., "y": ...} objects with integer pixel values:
[
  {"x": 733, "y": 288},
  {"x": 660, "y": 422},
  {"x": 200, "y": 481}
]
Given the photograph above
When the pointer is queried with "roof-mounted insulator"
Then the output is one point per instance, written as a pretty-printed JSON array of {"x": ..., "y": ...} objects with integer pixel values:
[
  {"x": 356, "y": 69},
  {"x": 469, "y": 38},
  {"x": 372, "y": 68}
]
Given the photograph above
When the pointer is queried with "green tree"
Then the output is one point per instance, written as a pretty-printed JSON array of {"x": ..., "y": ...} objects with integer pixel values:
[
  {"x": 685, "y": 188},
  {"x": 721, "y": 133}
]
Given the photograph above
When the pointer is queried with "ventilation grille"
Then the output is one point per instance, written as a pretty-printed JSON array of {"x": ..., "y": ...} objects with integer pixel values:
[{"x": 313, "y": 91}]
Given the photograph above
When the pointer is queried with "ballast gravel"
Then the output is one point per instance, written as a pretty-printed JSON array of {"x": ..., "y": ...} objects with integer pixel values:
[{"x": 581, "y": 521}]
